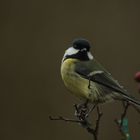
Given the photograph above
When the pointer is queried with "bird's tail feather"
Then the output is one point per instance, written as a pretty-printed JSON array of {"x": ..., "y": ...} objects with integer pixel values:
[{"x": 132, "y": 100}]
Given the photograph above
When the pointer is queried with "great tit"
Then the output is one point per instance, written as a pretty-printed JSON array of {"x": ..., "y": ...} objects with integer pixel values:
[{"x": 85, "y": 77}]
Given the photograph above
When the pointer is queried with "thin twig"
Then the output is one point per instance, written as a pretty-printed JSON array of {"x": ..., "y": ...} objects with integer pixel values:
[
  {"x": 60, "y": 118},
  {"x": 123, "y": 123},
  {"x": 94, "y": 131},
  {"x": 98, "y": 120},
  {"x": 120, "y": 128},
  {"x": 97, "y": 123},
  {"x": 123, "y": 129},
  {"x": 124, "y": 113},
  {"x": 82, "y": 112}
]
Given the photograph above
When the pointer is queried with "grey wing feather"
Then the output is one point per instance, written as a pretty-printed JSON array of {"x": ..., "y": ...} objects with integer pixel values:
[{"x": 93, "y": 71}]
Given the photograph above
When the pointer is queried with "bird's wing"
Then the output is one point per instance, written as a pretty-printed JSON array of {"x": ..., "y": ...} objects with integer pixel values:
[{"x": 93, "y": 71}]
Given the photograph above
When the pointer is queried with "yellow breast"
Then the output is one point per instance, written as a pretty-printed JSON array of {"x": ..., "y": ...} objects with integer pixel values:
[{"x": 76, "y": 84}]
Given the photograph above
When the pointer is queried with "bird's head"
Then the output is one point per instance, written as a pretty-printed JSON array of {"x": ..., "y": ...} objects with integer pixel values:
[{"x": 80, "y": 50}]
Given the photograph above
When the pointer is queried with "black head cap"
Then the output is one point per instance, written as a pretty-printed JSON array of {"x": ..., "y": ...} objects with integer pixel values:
[{"x": 81, "y": 44}]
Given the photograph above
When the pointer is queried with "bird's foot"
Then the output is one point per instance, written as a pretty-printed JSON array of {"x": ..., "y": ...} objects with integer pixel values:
[{"x": 82, "y": 111}]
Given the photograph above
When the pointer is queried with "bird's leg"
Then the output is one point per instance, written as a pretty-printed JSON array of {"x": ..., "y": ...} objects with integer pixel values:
[
  {"x": 91, "y": 109},
  {"x": 81, "y": 110},
  {"x": 89, "y": 83}
]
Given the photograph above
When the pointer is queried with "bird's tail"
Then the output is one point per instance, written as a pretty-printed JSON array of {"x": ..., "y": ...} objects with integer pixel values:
[{"x": 132, "y": 100}]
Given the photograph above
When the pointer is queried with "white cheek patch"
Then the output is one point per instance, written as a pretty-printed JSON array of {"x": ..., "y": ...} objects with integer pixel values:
[
  {"x": 90, "y": 56},
  {"x": 71, "y": 51}
]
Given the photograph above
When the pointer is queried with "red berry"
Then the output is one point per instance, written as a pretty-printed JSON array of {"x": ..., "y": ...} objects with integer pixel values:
[{"x": 137, "y": 76}]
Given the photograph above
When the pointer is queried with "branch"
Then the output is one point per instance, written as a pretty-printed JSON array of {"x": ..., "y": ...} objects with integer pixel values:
[
  {"x": 123, "y": 123},
  {"x": 98, "y": 121},
  {"x": 123, "y": 129},
  {"x": 82, "y": 112},
  {"x": 60, "y": 118},
  {"x": 124, "y": 112}
]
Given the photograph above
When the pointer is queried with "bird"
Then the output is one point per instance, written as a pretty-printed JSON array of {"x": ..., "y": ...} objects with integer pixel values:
[{"x": 87, "y": 79}]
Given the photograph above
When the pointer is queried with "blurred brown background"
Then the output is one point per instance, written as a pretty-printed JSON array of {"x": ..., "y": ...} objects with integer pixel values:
[{"x": 34, "y": 35}]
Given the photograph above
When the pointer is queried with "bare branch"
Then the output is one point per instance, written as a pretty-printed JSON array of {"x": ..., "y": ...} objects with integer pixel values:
[
  {"x": 82, "y": 112},
  {"x": 60, "y": 118},
  {"x": 126, "y": 105},
  {"x": 123, "y": 123}
]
